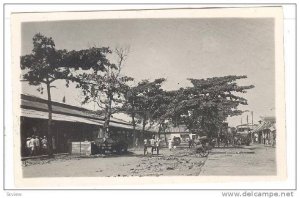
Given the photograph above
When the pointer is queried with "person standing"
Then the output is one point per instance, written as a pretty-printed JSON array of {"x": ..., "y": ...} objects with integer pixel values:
[
  {"x": 32, "y": 146},
  {"x": 44, "y": 145},
  {"x": 170, "y": 144},
  {"x": 152, "y": 143},
  {"x": 136, "y": 142},
  {"x": 190, "y": 143},
  {"x": 37, "y": 145},
  {"x": 53, "y": 144},
  {"x": 28, "y": 148},
  {"x": 145, "y": 146}
]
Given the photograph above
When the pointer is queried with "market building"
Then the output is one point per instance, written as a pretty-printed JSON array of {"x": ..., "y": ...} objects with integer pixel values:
[{"x": 69, "y": 124}]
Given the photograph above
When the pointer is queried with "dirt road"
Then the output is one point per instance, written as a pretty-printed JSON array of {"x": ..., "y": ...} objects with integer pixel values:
[
  {"x": 175, "y": 162},
  {"x": 253, "y": 160}
]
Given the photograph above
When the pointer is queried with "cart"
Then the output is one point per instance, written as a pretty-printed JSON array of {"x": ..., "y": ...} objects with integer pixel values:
[{"x": 203, "y": 146}]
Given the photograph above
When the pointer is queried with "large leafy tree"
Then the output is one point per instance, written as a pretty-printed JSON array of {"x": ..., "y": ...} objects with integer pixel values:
[
  {"x": 142, "y": 102},
  {"x": 149, "y": 100},
  {"x": 46, "y": 64},
  {"x": 205, "y": 105},
  {"x": 130, "y": 106}
]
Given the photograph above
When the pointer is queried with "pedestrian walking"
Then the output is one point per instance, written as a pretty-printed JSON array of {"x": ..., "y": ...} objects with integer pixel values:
[{"x": 191, "y": 143}]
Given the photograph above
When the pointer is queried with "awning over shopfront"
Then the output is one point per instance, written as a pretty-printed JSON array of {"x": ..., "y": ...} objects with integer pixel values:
[
  {"x": 264, "y": 126},
  {"x": 59, "y": 117},
  {"x": 34, "y": 107}
]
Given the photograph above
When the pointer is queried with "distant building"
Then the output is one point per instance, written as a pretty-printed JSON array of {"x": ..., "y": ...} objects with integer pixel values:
[
  {"x": 245, "y": 128},
  {"x": 176, "y": 131},
  {"x": 265, "y": 132}
]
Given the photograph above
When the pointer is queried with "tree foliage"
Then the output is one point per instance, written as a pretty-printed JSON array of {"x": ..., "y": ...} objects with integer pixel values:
[
  {"x": 46, "y": 64},
  {"x": 207, "y": 104},
  {"x": 143, "y": 101},
  {"x": 204, "y": 106},
  {"x": 105, "y": 87}
]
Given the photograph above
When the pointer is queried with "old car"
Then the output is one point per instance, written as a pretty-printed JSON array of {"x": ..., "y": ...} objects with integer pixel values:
[
  {"x": 103, "y": 145},
  {"x": 176, "y": 141}
]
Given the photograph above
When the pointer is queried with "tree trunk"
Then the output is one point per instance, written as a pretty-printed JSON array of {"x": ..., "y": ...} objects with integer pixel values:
[
  {"x": 166, "y": 140},
  {"x": 143, "y": 130},
  {"x": 107, "y": 117},
  {"x": 49, "y": 129},
  {"x": 159, "y": 130},
  {"x": 134, "y": 132}
]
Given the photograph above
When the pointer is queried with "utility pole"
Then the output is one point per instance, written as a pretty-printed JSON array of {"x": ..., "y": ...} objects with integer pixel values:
[{"x": 252, "y": 117}]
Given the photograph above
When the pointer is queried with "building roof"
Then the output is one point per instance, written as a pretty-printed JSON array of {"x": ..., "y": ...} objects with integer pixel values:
[
  {"x": 35, "y": 107},
  {"x": 250, "y": 126},
  {"x": 269, "y": 123},
  {"x": 177, "y": 129}
]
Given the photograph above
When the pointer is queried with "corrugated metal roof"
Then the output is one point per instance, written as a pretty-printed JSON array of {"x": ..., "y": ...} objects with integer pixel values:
[
  {"x": 264, "y": 126},
  {"x": 34, "y": 107},
  {"x": 59, "y": 117},
  {"x": 39, "y": 104},
  {"x": 58, "y": 109}
]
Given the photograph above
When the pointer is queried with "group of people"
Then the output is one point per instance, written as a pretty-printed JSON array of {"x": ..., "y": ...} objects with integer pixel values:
[
  {"x": 153, "y": 142},
  {"x": 36, "y": 145}
]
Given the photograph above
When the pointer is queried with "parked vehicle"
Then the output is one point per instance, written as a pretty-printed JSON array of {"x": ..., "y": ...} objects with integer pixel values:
[
  {"x": 101, "y": 145},
  {"x": 203, "y": 146},
  {"x": 242, "y": 138},
  {"x": 243, "y": 134},
  {"x": 176, "y": 141},
  {"x": 154, "y": 145}
]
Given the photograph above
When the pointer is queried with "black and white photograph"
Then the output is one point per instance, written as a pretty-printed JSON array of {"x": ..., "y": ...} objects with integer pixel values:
[{"x": 138, "y": 94}]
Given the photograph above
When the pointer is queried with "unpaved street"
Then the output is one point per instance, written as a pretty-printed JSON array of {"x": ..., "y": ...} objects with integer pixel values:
[
  {"x": 176, "y": 162},
  {"x": 254, "y": 160}
]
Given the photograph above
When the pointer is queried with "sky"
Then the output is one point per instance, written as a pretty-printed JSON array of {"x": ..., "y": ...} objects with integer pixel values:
[{"x": 175, "y": 49}]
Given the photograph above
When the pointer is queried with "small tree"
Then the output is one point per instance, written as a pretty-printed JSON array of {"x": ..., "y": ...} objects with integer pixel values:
[
  {"x": 130, "y": 107},
  {"x": 104, "y": 87},
  {"x": 148, "y": 101},
  {"x": 43, "y": 66}
]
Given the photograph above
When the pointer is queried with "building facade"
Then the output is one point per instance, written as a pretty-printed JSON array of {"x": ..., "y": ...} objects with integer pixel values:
[{"x": 69, "y": 124}]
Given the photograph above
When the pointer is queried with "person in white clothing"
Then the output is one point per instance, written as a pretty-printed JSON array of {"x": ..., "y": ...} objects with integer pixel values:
[
  {"x": 28, "y": 148},
  {"x": 170, "y": 143},
  {"x": 32, "y": 146}
]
